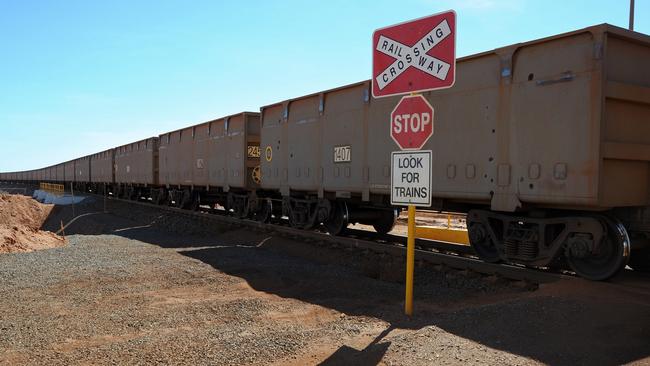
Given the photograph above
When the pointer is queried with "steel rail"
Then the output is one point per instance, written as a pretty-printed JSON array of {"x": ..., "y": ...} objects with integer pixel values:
[{"x": 434, "y": 252}]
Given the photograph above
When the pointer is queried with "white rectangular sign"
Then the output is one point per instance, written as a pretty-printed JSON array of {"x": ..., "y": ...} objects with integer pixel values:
[{"x": 410, "y": 182}]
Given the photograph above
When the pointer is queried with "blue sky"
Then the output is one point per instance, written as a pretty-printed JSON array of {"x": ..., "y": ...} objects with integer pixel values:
[{"x": 77, "y": 77}]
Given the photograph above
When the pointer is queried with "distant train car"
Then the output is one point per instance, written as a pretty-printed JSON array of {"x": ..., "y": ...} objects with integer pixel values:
[
  {"x": 82, "y": 173},
  {"x": 212, "y": 162},
  {"x": 69, "y": 172},
  {"x": 59, "y": 173},
  {"x": 49, "y": 174},
  {"x": 136, "y": 168},
  {"x": 102, "y": 171}
]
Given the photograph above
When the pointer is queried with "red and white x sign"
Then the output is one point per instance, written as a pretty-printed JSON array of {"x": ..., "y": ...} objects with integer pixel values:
[{"x": 414, "y": 56}]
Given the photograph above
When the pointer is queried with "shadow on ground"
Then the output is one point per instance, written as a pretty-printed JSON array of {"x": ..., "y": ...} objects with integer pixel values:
[{"x": 569, "y": 324}]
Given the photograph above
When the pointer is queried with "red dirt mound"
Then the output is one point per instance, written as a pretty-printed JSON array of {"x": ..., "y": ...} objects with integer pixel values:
[{"x": 20, "y": 220}]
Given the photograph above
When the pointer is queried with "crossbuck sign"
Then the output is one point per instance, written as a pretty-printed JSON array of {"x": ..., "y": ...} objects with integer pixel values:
[{"x": 415, "y": 56}]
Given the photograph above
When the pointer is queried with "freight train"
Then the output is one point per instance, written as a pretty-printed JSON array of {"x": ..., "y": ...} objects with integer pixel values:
[{"x": 545, "y": 145}]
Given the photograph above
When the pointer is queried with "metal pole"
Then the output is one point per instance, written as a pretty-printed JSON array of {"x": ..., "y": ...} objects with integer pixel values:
[
  {"x": 410, "y": 261},
  {"x": 631, "y": 27}
]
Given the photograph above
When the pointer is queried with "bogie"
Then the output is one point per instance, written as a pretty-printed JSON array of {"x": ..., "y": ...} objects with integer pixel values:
[{"x": 596, "y": 247}]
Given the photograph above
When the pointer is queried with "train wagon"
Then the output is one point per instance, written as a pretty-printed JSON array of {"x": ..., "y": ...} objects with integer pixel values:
[
  {"x": 215, "y": 162},
  {"x": 69, "y": 172},
  {"x": 136, "y": 168},
  {"x": 315, "y": 153},
  {"x": 82, "y": 173},
  {"x": 59, "y": 173},
  {"x": 544, "y": 144},
  {"x": 46, "y": 174},
  {"x": 102, "y": 171}
]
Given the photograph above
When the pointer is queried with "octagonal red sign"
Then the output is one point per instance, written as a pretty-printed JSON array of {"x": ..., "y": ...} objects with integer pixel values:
[
  {"x": 411, "y": 122},
  {"x": 414, "y": 56}
]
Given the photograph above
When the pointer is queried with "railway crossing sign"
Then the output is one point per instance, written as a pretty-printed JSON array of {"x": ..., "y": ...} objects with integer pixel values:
[
  {"x": 409, "y": 58},
  {"x": 411, "y": 122},
  {"x": 410, "y": 182},
  {"x": 414, "y": 56}
]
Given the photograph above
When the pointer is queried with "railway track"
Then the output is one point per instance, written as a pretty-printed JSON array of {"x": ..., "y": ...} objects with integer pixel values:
[{"x": 458, "y": 257}]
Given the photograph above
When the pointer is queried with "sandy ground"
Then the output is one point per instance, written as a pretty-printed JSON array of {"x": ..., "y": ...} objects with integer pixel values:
[
  {"x": 21, "y": 218},
  {"x": 139, "y": 287}
]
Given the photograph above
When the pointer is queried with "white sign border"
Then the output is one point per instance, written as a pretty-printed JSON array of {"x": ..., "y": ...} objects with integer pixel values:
[
  {"x": 400, "y": 152},
  {"x": 433, "y": 123},
  {"x": 373, "y": 46}
]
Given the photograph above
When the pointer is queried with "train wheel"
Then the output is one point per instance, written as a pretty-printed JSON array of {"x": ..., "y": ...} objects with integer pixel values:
[
  {"x": 339, "y": 219},
  {"x": 297, "y": 223},
  {"x": 156, "y": 196},
  {"x": 387, "y": 221},
  {"x": 610, "y": 257},
  {"x": 195, "y": 202},
  {"x": 264, "y": 211},
  {"x": 164, "y": 197},
  {"x": 482, "y": 243},
  {"x": 239, "y": 207},
  {"x": 640, "y": 260},
  {"x": 185, "y": 199}
]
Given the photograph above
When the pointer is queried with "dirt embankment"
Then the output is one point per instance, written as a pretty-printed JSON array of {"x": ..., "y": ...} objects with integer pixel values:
[{"x": 21, "y": 218}]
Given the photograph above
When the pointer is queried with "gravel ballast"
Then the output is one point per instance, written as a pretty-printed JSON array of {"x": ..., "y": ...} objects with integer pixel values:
[{"x": 133, "y": 287}]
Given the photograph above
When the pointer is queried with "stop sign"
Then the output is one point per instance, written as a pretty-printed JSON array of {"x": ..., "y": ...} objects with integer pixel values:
[{"x": 411, "y": 122}]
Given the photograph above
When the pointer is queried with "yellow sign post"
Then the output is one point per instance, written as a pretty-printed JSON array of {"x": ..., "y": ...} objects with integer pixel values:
[
  {"x": 411, "y": 121},
  {"x": 410, "y": 261}
]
